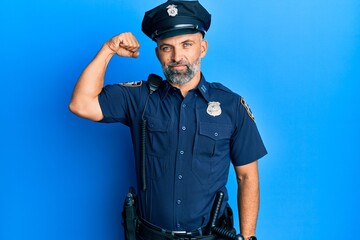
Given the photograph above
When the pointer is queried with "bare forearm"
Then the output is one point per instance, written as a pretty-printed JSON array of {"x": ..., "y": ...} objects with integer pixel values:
[
  {"x": 85, "y": 101},
  {"x": 91, "y": 81},
  {"x": 248, "y": 204}
]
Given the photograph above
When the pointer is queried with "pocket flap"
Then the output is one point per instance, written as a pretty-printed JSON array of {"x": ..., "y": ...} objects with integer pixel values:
[
  {"x": 157, "y": 125},
  {"x": 216, "y": 131}
]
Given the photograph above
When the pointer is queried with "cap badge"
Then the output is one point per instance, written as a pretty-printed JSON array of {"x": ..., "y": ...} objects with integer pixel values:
[
  {"x": 214, "y": 109},
  {"x": 172, "y": 10}
]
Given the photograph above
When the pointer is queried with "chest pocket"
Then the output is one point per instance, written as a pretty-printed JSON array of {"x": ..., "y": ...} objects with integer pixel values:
[
  {"x": 212, "y": 151},
  {"x": 213, "y": 139},
  {"x": 158, "y": 139}
]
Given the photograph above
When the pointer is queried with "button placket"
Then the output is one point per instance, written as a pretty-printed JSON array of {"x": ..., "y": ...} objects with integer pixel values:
[{"x": 186, "y": 116}]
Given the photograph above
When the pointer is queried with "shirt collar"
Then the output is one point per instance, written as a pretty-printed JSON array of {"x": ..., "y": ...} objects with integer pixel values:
[
  {"x": 165, "y": 89},
  {"x": 202, "y": 87}
]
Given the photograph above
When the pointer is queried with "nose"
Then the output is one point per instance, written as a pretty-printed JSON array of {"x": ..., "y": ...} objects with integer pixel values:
[{"x": 177, "y": 55}]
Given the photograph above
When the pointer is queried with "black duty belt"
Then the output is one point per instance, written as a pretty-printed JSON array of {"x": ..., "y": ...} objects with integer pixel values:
[{"x": 149, "y": 232}]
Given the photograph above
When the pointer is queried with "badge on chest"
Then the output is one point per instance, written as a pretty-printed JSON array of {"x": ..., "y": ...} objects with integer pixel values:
[{"x": 214, "y": 109}]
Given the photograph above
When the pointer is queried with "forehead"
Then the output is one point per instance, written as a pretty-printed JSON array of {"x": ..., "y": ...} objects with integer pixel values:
[{"x": 180, "y": 39}]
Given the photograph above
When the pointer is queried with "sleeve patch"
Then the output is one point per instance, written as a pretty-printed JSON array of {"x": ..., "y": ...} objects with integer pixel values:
[
  {"x": 247, "y": 107},
  {"x": 131, "y": 84}
]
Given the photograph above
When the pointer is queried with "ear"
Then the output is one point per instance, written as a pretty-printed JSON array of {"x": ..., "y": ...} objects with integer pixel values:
[
  {"x": 204, "y": 48},
  {"x": 157, "y": 53}
]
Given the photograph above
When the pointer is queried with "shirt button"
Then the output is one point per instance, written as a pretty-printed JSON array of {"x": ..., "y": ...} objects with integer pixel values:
[
  {"x": 184, "y": 105},
  {"x": 180, "y": 177},
  {"x": 178, "y": 202},
  {"x": 181, "y": 152},
  {"x": 216, "y": 134},
  {"x": 183, "y": 128}
]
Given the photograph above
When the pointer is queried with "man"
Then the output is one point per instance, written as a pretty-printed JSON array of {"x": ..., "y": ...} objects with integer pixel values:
[{"x": 192, "y": 129}]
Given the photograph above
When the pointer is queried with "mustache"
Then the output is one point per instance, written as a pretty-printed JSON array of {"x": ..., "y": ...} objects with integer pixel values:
[{"x": 172, "y": 64}]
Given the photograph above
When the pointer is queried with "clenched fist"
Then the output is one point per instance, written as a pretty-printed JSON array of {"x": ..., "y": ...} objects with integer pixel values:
[{"x": 125, "y": 45}]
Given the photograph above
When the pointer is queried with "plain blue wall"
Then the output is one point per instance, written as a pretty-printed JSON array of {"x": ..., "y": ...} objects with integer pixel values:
[{"x": 297, "y": 63}]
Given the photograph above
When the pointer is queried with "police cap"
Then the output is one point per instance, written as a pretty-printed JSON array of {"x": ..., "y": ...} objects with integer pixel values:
[{"x": 174, "y": 18}]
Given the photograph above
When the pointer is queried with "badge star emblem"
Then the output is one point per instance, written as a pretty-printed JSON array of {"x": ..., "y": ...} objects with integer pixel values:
[
  {"x": 172, "y": 10},
  {"x": 214, "y": 109}
]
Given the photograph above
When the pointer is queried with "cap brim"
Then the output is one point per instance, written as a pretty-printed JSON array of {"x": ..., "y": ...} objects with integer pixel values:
[{"x": 176, "y": 33}]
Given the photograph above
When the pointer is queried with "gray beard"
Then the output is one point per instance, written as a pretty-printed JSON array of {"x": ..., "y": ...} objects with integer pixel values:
[{"x": 179, "y": 77}]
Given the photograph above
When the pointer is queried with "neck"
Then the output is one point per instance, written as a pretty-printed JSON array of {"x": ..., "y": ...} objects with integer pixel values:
[{"x": 186, "y": 87}]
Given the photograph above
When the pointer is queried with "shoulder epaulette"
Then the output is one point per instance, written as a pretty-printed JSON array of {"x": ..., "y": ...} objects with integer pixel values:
[{"x": 220, "y": 86}]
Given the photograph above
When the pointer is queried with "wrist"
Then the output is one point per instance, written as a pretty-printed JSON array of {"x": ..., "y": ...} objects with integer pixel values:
[
  {"x": 106, "y": 49},
  {"x": 249, "y": 237},
  {"x": 106, "y": 53}
]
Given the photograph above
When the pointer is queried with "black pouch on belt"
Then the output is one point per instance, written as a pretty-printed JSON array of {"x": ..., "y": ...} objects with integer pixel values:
[
  {"x": 227, "y": 219},
  {"x": 129, "y": 215}
]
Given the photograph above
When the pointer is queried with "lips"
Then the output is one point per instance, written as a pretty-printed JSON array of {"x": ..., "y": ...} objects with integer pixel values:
[{"x": 179, "y": 67}]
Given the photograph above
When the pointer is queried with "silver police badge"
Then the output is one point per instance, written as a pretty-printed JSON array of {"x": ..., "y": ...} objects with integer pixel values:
[
  {"x": 172, "y": 10},
  {"x": 214, "y": 109}
]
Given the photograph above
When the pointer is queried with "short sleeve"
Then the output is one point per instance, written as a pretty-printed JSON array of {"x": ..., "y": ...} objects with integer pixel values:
[
  {"x": 113, "y": 102},
  {"x": 246, "y": 143}
]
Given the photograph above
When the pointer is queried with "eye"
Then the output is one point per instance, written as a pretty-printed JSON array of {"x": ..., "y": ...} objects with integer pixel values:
[
  {"x": 187, "y": 44},
  {"x": 165, "y": 48}
]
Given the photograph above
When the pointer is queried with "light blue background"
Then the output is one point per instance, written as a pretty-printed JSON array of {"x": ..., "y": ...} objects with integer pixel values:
[{"x": 297, "y": 63}]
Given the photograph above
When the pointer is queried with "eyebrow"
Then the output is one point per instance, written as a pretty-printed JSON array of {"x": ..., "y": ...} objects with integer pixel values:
[{"x": 185, "y": 41}]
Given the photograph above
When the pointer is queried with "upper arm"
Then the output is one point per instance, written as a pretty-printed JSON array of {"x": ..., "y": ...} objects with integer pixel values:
[
  {"x": 248, "y": 171},
  {"x": 90, "y": 110}
]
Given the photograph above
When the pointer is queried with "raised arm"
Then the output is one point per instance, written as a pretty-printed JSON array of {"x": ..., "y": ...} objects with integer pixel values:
[{"x": 84, "y": 101}]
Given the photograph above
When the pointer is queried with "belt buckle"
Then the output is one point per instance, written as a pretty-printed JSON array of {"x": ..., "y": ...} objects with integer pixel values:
[{"x": 174, "y": 233}]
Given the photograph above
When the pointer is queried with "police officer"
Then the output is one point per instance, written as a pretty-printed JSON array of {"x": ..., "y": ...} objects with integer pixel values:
[{"x": 193, "y": 128}]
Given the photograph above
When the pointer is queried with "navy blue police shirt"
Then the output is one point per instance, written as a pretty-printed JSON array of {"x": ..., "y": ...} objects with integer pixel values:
[{"x": 189, "y": 146}]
